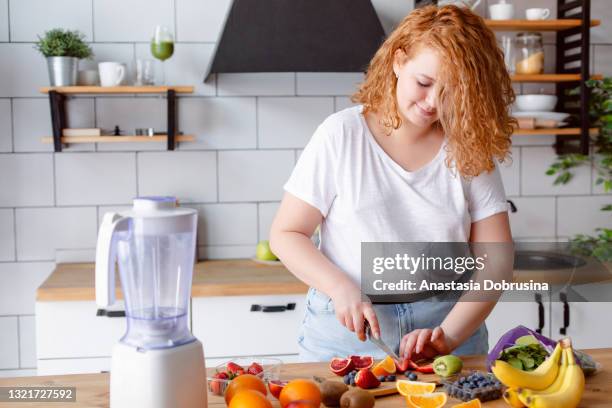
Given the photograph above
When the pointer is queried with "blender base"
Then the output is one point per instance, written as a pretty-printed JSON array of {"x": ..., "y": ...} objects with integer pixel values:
[{"x": 165, "y": 378}]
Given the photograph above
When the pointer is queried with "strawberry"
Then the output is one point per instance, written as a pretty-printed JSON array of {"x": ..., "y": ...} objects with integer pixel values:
[
  {"x": 217, "y": 387},
  {"x": 366, "y": 379},
  {"x": 254, "y": 368},
  {"x": 234, "y": 369}
]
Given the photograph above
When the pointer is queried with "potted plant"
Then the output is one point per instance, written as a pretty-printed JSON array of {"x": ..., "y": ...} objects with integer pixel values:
[{"x": 63, "y": 49}]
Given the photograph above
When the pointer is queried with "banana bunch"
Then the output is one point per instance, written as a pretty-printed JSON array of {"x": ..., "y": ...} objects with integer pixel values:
[{"x": 538, "y": 390}]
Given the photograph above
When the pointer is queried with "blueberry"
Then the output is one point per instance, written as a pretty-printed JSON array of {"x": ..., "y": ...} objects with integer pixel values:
[
  {"x": 381, "y": 378},
  {"x": 412, "y": 376},
  {"x": 346, "y": 379},
  {"x": 352, "y": 381},
  {"x": 391, "y": 378}
]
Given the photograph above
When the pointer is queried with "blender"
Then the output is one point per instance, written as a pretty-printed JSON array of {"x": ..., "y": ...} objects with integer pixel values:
[{"x": 158, "y": 363}]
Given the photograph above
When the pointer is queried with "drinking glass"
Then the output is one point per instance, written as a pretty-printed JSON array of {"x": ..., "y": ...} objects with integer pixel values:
[{"x": 162, "y": 47}]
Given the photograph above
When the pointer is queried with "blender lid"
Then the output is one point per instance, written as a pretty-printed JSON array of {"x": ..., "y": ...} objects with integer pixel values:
[{"x": 156, "y": 207}]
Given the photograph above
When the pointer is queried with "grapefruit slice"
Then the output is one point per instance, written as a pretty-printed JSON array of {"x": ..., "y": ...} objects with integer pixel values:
[
  {"x": 276, "y": 386},
  {"x": 341, "y": 366},
  {"x": 360, "y": 362}
]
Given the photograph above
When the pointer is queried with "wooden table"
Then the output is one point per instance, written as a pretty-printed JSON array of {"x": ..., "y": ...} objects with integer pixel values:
[{"x": 92, "y": 390}]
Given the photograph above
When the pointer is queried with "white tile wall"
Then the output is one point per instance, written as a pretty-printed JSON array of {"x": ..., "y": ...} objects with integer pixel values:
[
  {"x": 189, "y": 176},
  {"x": 290, "y": 122},
  {"x": 123, "y": 21},
  {"x": 261, "y": 84},
  {"x": 267, "y": 211},
  {"x": 227, "y": 224},
  {"x": 31, "y": 18},
  {"x": 27, "y": 343},
  {"x": 40, "y": 231},
  {"x": 90, "y": 179},
  {"x": 30, "y": 182},
  {"x": 510, "y": 172},
  {"x": 9, "y": 343},
  {"x": 213, "y": 122},
  {"x": 343, "y": 102},
  {"x": 7, "y": 235},
  {"x": 6, "y": 126},
  {"x": 251, "y": 175},
  {"x": 316, "y": 83},
  {"x": 603, "y": 60},
  {"x": 186, "y": 67},
  {"x": 534, "y": 163},
  {"x": 4, "y": 21},
  {"x": 26, "y": 72},
  {"x": 535, "y": 217},
  {"x": 28, "y": 132},
  {"x": 226, "y": 251},
  {"x": 18, "y": 373},
  {"x": 601, "y": 9},
  {"x": 18, "y": 284},
  {"x": 582, "y": 215},
  {"x": 200, "y": 21}
]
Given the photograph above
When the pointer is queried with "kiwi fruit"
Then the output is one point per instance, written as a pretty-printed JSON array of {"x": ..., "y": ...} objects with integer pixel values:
[
  {"x": 331, "y": 391},
  {"x": 357, "y": 398}
]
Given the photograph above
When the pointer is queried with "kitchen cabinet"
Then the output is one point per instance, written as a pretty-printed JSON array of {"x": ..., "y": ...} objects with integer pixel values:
[
  {"x": 256, "y": 325},
  {"x": 71, "y": 338}
]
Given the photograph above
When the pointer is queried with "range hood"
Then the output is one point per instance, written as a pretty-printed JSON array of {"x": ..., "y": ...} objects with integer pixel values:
[{"x": 297, "y": 36}]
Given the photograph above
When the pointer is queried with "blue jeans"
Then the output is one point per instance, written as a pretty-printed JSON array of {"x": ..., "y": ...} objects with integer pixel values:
[{"x": 322, "y": 337}]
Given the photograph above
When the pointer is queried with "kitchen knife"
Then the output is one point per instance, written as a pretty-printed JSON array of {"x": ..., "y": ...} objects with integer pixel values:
[{"x": 381, "y": 344}]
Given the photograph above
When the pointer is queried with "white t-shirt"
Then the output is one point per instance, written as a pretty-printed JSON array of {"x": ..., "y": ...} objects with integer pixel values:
[{"x": 365, "y": 196}]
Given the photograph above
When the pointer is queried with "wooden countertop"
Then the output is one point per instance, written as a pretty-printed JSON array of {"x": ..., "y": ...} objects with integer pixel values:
[
  {"x": 238, "y": 277},
  {"x": 92, "y": 390},
  {"x": 210, "y": 278}
]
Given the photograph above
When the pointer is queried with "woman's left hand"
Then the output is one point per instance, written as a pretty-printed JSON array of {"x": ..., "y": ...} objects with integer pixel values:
[{"x": 425, "y": 343}]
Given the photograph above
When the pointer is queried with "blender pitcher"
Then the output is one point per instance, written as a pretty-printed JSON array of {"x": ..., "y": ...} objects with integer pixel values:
[{"x": 158, "y": 362}]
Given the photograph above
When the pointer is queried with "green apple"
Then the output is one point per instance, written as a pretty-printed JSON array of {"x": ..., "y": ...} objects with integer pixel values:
[{"x": 264, "y": 252}]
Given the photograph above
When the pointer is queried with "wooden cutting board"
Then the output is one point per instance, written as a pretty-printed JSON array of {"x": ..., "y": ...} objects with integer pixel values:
[{"x": 389, "y": 387}]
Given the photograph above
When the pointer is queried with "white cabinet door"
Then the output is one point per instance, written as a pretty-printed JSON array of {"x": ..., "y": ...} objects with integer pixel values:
[
  {"x": 72, "y": 329},
  {"x": 229, "y": 326},
  {"x": 585, "y": 322},
  {"x": 508, "y": 313},
  {"x": 72, "y": 366}
]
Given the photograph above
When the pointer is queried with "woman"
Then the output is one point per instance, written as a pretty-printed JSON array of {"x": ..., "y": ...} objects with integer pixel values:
[{"x": 414, "y": 162}]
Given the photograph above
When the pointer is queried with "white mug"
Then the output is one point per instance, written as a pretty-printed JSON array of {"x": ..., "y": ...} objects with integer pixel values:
[
  {"x": 501, "y": 11},
  {"x": 111, "y": 73},
  {"x": 537, "y": 13}
]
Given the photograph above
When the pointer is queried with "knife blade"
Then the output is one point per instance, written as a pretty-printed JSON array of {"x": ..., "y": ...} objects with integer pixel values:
[{"x": 381, "y": 344}]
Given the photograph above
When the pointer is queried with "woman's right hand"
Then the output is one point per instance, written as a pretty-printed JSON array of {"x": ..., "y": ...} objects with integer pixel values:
[{"x": 352, "y": 312}]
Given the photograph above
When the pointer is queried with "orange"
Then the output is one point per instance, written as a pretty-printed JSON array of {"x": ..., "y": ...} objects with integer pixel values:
[
  {"x": 246, "y": 398},
  {"x": 429, "y": 400},
  {"x": 244, "y": 381},
  {"x": 406, "y": 387},
  {"x": 475, "y": 403},
  {"x": 384, "y": 367},
  {"x": 300, "y": 389}
]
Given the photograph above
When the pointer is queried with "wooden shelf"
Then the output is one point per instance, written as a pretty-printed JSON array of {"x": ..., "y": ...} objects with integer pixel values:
[
  {"x": 536, "y": 25},
  {"x": 119, "y": 139},
  {"x": 549, "y": 77},
  {"x": 116, "y": 89},
  {"x": 552, "y": 131}
]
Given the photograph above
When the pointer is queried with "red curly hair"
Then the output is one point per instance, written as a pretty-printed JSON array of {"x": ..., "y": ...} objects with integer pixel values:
[{"x": 475, "y": 93}]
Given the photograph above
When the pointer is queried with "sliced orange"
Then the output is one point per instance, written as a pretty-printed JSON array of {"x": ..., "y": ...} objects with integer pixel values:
[
  {"x": 406, "y": 387},
  {"x": 384, "y": 367},
  {"x": 429, "y": 400},
  {"x": 475, "y": 403}
]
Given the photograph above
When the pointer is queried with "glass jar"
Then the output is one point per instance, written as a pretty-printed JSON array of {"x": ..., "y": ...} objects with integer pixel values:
[{"x": 529, "y": 53}]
